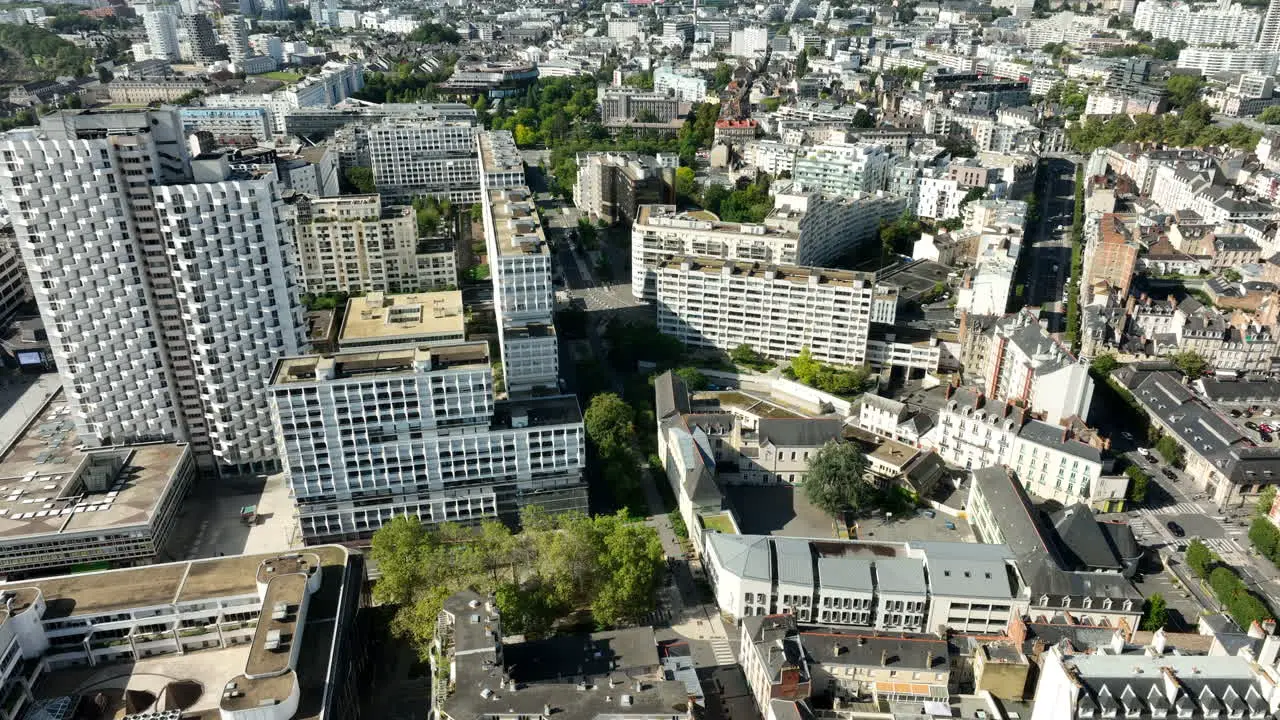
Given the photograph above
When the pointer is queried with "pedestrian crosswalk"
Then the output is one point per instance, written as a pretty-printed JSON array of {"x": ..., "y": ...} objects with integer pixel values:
[
  {"x": 723, "y": 651},
  {"x": 1182, "y": 508},
  {"x": 1222, "y": 546}
]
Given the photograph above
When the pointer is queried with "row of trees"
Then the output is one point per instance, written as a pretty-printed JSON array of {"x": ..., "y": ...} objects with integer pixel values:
[
  {"x": 611, "y": 429},
  {"x": 1139, "y": 481},
  {"x": 406, "y": 84},
  {"x": 556, "y": 565},
  {"x": 1192, "y": 127},
  {"x": 1243, "y": 606},
  {"x": 1077, "y": 264}
]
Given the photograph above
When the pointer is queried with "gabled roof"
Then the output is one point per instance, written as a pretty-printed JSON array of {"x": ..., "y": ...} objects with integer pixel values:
[{"x": 799, "y": 432}]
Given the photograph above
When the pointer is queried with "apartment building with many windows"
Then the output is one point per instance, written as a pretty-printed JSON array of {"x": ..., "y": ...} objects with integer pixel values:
[
  {"x": 369, "y": 435},
  {"x": 166, "y": 315},
  {"x": 520, "y": 263},
  {"x": 776, "y": 309},
  {"x": 805, "y": 228},
  {"x": 355, "y": 244},
  {"x": 411, "y": 157}
]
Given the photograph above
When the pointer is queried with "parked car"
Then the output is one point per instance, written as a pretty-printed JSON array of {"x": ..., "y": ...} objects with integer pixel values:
[
  {"x": 1144, "y": 452},
  {"x": 1176, "y": 529},
  {"x": 1251, "y": 425},
  {"x": 1169, "y": 473},
  {"x": 1152, "y": 459},
  {"x": 1235, "y": 413},
  {"x": 1265, "y": 437}
]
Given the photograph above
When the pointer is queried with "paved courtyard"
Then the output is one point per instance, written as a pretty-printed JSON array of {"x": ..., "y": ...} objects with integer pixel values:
[{"x": 211, "y": 518}]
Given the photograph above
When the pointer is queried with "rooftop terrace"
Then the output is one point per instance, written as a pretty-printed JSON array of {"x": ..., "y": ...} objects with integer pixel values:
[{"x": 412, "y": 316}]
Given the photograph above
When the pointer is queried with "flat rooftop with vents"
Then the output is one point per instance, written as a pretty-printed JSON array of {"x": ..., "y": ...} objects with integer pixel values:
[
  {"x": 62, "y": 504},
  {"x": 379, "y": 319},
  {"x": 382, "y": 363},
  {"x": 517, "y": 229},
  {"x": 255, "y": 636}
]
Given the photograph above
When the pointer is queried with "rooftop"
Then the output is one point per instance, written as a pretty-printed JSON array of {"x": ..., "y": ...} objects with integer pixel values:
[
  {"x": 797, "y": 274},
  {"x": 215, "y": 676},
  {"x": 50, "y": 484},
  {"x": 355, "y": 364},
  {"x": 516, "y": 224},
  {"x": 498, "y": 153},
  {"x": 413, "y": 317}
]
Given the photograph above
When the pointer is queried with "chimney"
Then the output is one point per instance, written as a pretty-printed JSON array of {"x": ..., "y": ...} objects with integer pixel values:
[
  {"x": 1173, "y": 302},
  {"x": 1018, "y": 630},
  {"x": 639, "y": 686},
  {"x": 928, "y": 661},
  {"x": 1270, "y": 651},
  {"x": 1117, "y": 642},
  {"x": 1159, "y": 641},
  {"x": 546, "y": 710},
  {"x": 884, "y": 658},
  {"x": 1269, "y": 626},
  {"x": 1256, "y": 631}
]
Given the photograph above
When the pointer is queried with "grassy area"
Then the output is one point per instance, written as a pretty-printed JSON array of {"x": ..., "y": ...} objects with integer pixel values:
[
  {"x": 283, "y": 76},
  {"x": 477, "y": 273},
  {"x": 719, "y": 523}
]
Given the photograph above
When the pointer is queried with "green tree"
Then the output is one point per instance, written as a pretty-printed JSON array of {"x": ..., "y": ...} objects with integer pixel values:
[
  {"x": 610, "y": 422},
  {"x": 834, "y": 482},
  {"x": 1104, "y": 364},
  {"x": 629, "y": 559},
  {"x": 525, "y": 136},
  {"x": 804, "y": 367},
  {"x": 1199, "y": 558},
  {"x": 432, "y": 33},
  {"x": 863, "y": 119},
  {"x": 1266, "y": 499},
  {"x": 721, "y": 76},
  {"x": 1138, "y": 483},
  {"x": 1270, "y": 116},
  {"x": 359, "y": 180},
  {"x": 1155, "y": 613},
  {"x": 1182, "y": 89},
  {"x": 1265, "y": 537},
  {"x": 686, "y": 184},
  {"x": 1170, "y": 450},
  {"x": 1190, "y": 363},
  {"x": 693, "y": 378}
]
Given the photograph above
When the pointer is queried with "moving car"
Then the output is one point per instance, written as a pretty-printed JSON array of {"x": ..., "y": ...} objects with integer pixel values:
[{"x": 1176, "y": 529}]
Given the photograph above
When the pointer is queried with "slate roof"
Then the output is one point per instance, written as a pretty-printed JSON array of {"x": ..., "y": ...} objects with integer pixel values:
[
  {"x": 900, "y": 575},
  {"x": 1048, "y": 435},
  {"x": 746, "y": 556},
  {"x": 899, "y": 650},
  {"x": 799, "y": 432}
]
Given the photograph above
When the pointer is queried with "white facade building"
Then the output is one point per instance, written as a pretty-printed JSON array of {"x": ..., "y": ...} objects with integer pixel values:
[
  {"x": 1025, "y": 364},
  {"x": 1210, "y": 61},
  {"x": 414, "y": 157},
  {"x": 750, "y": 41},
  {"x": 685, "y": 86},
  {"x": 167, "y": 313},
  {"x": 520, "y": 262},
  {"x": 369, "y": 435},
  {"x": 841, "y": 169},
  {"x": 1198, "y": 24},
  {"x": 803, "y": 229},
  {"x": 776, "y": 309},
  {"x": 891, "y": 588},
  {"x": 939, "y": 196},
  {"x": 161, "y": 25}
]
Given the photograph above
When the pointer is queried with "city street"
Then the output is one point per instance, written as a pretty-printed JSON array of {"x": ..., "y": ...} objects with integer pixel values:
[{"x": 1047, "y": 263}]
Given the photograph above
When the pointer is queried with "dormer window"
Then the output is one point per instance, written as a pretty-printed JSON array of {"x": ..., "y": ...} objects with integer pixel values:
[
  {"x": 1106, "y": 604},
  {"x": 1044, "y": 599},
  {"x": 1128, "y": 605},
  {"x": 1088, "y": 603},
  {"x": 1066, "y": 601}
]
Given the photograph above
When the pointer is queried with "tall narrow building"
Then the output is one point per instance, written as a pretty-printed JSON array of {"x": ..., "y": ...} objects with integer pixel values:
[
  {"x": 166, "y": 284},
  {"x": 1269, "y": 38},
  {"x": 520, "y": 263}
]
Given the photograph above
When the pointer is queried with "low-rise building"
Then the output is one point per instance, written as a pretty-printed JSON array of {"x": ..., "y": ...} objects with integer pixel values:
[
  {"x": 248, "y": 636},
  {"x": 67, "y": 505},
  {"x": 1220, "y": 460},
  {"x": 416, "y": 319},
  {"x": 612, "y": 675}
]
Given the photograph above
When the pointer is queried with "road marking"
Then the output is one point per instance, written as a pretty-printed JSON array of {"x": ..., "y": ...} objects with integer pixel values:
[{"x": 723, "y": 651}]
